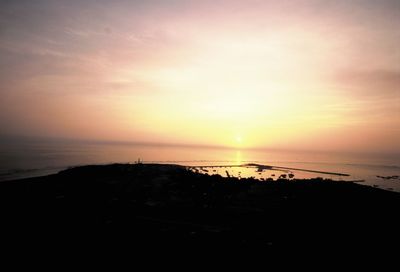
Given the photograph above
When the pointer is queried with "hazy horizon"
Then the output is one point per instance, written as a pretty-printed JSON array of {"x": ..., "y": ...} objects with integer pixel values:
[
  {"x": 9, "y": 143},
  {"x": 296, "y": 75}
]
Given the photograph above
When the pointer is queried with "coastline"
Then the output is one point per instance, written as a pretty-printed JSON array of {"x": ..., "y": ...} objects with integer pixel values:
[{"x": 158, "y": 204}]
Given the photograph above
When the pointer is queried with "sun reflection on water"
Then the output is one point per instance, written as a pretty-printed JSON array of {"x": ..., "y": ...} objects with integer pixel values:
[{"x": 238, "y": 159}]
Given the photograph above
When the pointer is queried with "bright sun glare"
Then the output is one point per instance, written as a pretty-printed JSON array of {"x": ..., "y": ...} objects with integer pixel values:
[{"x": 238, "y": 139}]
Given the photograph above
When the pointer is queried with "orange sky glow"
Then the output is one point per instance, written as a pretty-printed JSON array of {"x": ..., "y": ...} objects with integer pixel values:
[{"x": 321, "y": 75}]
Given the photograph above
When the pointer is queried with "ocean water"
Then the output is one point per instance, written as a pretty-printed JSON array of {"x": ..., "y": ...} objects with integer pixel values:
[{"x": 28, "y": 159}]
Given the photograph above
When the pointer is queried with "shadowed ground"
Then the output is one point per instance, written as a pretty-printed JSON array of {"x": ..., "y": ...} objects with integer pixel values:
[{"x": 152, "y": 205}]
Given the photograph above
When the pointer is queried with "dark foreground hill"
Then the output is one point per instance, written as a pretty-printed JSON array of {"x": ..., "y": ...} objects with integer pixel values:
[{"x": 150, "y": 205}]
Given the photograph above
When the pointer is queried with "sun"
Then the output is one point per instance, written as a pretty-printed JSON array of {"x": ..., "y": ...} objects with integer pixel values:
[{"x": 238, "y": 140}]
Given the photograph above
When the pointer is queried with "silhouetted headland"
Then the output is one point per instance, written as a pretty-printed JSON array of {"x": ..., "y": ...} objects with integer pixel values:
[{"x": 160, "y": 205}]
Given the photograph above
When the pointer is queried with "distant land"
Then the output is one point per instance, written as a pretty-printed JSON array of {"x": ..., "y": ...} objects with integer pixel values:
[{"x": 156, "y": 205}]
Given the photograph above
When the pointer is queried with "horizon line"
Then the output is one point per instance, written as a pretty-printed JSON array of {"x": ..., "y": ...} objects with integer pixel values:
[{"x": 180, "y": 145}]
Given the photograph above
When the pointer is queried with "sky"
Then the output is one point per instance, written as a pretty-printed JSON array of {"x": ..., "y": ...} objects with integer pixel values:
[{"x": 306, "y": 74}]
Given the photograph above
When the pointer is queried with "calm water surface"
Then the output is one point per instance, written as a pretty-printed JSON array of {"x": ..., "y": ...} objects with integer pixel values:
[{"x": 35, "y": 159}]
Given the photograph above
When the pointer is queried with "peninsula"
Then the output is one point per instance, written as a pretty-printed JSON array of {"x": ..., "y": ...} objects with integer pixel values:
[{"x": 159, "y": 205}]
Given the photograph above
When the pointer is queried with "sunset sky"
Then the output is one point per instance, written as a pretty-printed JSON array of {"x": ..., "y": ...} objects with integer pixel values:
[{"x": 304, "y": 74}]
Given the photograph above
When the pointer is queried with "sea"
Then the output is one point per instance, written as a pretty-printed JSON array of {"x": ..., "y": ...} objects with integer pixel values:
[{"x": 37, "y": 158}]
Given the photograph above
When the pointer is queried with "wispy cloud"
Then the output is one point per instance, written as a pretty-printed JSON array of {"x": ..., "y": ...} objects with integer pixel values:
[
  {"x": 200, "y": 70},
  {"x": 378, "y": 82}
]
